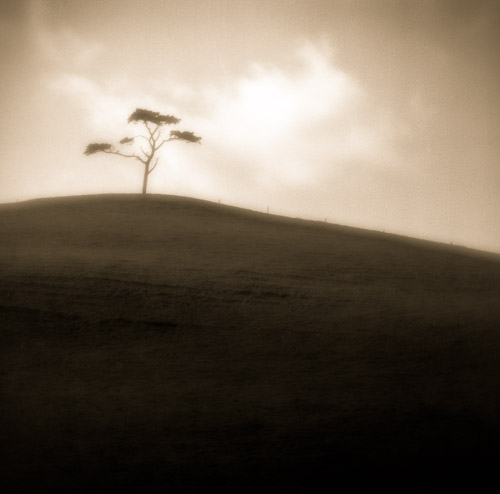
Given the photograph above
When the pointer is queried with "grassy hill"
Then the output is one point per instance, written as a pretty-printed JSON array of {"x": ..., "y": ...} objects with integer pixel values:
[{"x": 170, "y": 342}]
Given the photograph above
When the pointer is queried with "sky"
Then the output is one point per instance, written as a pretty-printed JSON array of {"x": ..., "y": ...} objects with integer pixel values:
[{"x": 371, "y": 113}]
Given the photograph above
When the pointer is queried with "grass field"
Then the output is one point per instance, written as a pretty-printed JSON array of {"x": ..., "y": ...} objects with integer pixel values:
[{"x": 169, "y": 343}]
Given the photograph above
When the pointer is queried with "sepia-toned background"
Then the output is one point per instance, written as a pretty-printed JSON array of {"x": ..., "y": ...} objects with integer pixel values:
[{"x": 378, "y": 114}]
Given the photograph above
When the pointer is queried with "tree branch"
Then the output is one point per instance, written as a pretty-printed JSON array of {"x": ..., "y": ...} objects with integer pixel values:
[
  {"x": 157, "y": 130},
  {"x": 164, "y": 141},
  {"x": 151, "y": 140},
  {"x": 114, "y": 151},
  {"x": 154, "y": 166},
  {"x": 143, "y": 137}
]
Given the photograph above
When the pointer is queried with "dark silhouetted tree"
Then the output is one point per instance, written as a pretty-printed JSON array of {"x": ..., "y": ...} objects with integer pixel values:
[{"x": 151, "y": 143}]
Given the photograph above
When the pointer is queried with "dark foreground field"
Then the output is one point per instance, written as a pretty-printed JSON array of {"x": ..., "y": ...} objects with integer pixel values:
[{"x": 169, "y": 343}]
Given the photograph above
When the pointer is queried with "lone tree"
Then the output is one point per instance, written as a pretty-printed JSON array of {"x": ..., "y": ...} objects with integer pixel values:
[{"x": 154, "y": 140}]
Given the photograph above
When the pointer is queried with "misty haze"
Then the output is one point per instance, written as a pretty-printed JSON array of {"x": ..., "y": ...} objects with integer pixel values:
[{"x": 249, "y": 245}]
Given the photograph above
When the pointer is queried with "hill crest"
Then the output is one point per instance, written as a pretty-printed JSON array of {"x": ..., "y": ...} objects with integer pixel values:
[{"x": 171, "y": 203}]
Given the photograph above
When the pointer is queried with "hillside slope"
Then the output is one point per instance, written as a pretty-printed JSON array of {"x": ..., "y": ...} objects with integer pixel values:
[{"x": 169, "y": 342}]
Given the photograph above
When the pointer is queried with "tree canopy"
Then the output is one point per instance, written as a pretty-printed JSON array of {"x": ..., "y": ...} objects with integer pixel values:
[
  {"x": 97, "y": 147},
  {"x": 141, "y": 115},
  {"x": 184, "y": 136}
]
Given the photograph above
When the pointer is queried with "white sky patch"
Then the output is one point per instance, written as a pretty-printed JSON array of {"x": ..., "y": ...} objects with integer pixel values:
[
  {"x": 271, "y": 104},
  {"x": 291, "y": 127}
]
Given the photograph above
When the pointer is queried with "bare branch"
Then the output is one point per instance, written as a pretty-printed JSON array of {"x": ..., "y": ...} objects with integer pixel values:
[
  {"x": 155, "y": 131},
  {"x": 163, "y": 142},
  {"x": 115, "y": 151},
  {"x": 142, "y": 137},
  {"x": 154, "y": 166},
  {"x": 151, "y": 139}
]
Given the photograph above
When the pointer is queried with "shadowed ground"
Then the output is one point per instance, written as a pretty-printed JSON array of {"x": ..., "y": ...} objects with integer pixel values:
[{"x": 172, "y": 343}]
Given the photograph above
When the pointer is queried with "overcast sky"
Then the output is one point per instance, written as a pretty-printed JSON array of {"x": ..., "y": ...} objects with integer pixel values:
[{"x": 378, "y": 114}]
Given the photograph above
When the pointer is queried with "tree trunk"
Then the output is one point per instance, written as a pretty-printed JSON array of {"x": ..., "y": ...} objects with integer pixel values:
[{"x": 145, "y": 180}]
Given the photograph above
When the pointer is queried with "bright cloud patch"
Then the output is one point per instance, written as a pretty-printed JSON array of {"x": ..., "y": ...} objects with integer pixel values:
[
  {"x": 272, "y": 104},
  {"x": 292, "y": 128}
]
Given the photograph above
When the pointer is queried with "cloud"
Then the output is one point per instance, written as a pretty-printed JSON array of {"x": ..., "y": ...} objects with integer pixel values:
[
  {"x": 106, "y": 106},
  {"x": 270, "y": 132},
  {"x": 271, "y": 104},
  {"x": 292, "y": 128}
]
